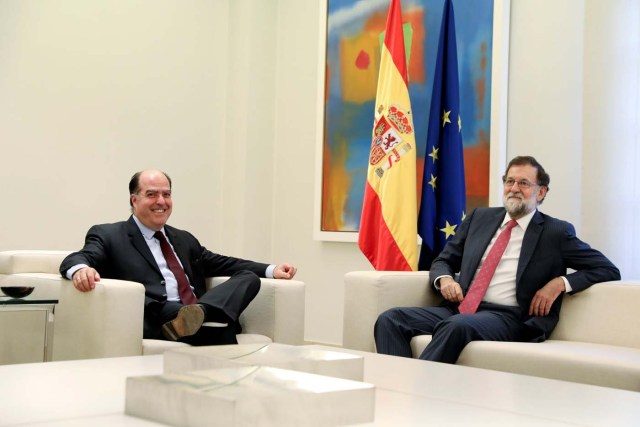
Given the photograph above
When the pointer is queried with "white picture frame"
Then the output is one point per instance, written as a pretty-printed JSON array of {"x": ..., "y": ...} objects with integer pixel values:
[{"x": 498, "y": 125}]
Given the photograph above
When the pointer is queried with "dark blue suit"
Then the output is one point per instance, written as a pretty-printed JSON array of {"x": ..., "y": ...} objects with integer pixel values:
[
  {"x": 549, "y": 248},
  {"x": 119, "y": 251}
]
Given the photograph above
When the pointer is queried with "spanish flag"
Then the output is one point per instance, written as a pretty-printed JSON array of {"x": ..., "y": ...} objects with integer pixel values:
[{"x": 388, "y": 226}]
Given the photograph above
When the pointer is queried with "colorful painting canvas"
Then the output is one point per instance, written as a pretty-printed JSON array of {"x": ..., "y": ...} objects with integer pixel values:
[{"x": 352, "y": 62}]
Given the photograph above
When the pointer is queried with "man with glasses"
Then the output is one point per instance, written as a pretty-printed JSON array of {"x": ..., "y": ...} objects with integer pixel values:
[
  {"x": 172, "y": 266},
  {"x": 512, "y": 264}
]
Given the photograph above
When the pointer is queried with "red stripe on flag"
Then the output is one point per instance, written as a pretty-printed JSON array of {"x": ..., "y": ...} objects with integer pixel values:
[
  {"x": 375, "y": 239},
  {"x": 394, "y": 39}
]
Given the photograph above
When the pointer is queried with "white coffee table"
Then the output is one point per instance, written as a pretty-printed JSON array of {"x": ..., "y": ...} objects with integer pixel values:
[{"x": 408, "y": 392}]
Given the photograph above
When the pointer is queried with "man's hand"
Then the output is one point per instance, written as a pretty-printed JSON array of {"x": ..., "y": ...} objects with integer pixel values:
[
  {"x": 284, "y": 271},
  {"x": 544, "y": 298},
  {"x": 85, "y": 279},
  {"x": 450, "y": 289}
]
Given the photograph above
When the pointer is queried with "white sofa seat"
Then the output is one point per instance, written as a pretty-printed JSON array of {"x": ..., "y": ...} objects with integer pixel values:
[
  {"x": 595, "y": 342},
  {"x": 582, "y": 362},
  {"x": 107, "y": 322}
]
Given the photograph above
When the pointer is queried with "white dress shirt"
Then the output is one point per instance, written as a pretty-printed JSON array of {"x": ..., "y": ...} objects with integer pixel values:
[
  {"x": 502, "y": 287},
  {"x": 171, "y": 284}
]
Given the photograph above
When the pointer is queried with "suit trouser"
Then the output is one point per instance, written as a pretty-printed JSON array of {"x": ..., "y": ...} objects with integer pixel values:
[
  {"x": 450, "y": 330},
  {"x": 223, "y": 304}
]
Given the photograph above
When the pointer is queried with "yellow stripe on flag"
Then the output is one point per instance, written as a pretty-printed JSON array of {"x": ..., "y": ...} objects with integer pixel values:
[{"x": 388, "y": 227}]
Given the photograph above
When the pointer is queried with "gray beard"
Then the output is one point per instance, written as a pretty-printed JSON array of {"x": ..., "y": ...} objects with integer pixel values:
[{"x": 515, "y": 210}]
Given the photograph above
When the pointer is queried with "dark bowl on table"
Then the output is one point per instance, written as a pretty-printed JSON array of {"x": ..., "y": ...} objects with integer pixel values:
[{"x": 17, "y": 291}]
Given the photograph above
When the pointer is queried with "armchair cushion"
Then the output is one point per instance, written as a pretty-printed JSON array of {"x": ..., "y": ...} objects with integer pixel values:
[{"x": 31, "y": 261}]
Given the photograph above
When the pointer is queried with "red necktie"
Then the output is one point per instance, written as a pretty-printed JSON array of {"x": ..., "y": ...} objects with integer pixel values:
[
  {"x": 184, "y": 289},
  {"x": 479, "y": 286}
]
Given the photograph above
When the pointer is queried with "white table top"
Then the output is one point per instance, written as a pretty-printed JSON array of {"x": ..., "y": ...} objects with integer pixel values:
[
  {"x": 408, "y": 392},
  {"x": 459, "y": 395},
  {"x": 63, "y": 391}
]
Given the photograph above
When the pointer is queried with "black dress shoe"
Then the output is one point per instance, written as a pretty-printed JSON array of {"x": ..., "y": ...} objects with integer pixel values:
[{"x": 188, "y": 321}]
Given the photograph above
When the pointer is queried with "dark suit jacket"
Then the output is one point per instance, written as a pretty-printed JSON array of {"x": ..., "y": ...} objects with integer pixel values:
[
  {"x": 119, "y": 251},
  {"x": 549, "y": 248}
]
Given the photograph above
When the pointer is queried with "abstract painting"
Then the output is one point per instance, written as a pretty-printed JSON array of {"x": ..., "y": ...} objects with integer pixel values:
[{"x": 351, "y": 73}]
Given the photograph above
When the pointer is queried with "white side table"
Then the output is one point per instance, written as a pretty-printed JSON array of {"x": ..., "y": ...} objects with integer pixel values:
[{"x": 26, "y": 325}]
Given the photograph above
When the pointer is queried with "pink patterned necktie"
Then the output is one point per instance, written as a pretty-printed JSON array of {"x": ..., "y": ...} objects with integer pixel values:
[
  {"x": 184, "y": 289},
  {"x": 479, "y": 286}
]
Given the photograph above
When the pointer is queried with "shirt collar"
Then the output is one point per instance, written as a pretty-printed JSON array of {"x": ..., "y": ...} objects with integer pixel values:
[
  {"x": 146, "y": 231},
  {"x": 522, "y": 222}
]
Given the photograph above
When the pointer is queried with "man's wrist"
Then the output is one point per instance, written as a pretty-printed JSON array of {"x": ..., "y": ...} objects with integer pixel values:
[
  {"x": 566, "y": 287},
  {"x": 269, "y": 272},
  {"x": 436, "y": 283},
  {"x": 72, "y": 270}
]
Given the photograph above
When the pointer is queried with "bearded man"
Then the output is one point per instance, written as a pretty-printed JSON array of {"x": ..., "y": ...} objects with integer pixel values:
[{"x": 513, "y": 271}]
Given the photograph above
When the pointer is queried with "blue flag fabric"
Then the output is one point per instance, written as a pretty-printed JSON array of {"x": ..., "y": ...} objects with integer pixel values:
[{"x": 443, "y": 202}]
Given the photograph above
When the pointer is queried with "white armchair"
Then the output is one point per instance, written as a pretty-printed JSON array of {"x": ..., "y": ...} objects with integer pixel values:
[
  {"x": 107, "y": 322},
  {"x": 104, "y": 323}
]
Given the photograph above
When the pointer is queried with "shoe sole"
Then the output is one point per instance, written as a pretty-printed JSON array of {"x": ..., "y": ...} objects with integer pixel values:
[{"x": 188, "y": 321}]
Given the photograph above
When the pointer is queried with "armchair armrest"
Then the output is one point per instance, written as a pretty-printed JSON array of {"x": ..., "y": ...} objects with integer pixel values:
[
  {"x": 277, "y": 311},
  {"x": 369, "y": 293},
  {"x": 106, "y": 322}
]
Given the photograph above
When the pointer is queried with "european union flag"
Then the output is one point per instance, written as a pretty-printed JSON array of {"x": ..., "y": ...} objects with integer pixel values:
[{"x": 442, "y": 208}]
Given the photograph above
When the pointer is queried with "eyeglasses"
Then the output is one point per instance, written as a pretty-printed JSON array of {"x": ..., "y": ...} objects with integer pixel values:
[{"x": 523, "y": 184}]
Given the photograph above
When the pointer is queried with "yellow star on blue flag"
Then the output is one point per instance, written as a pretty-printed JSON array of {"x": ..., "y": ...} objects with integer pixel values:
[
  {"x": 449, "y": 230},
  {"x": 445, "y": 117}
]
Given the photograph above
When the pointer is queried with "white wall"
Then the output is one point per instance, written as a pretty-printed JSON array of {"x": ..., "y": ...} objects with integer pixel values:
[
  {"x": 574, "y": 103},
  {"x": 323, "y": 264},
  {"x": 611, "y": 131},
  {"x": 545, "y": 96},
  {"x": 92, "y": 91},
  {"x": 223, "y": 94},
  {"x": 248, "y": 147}
]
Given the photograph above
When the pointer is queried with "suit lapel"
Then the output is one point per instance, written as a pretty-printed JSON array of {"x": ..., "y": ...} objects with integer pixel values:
[
  {"x": 137, "y": 240},
  {"x": 529, "y": 242}
]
